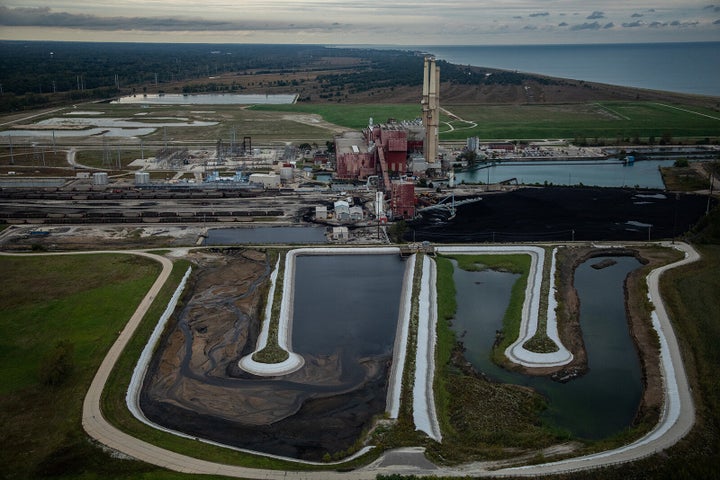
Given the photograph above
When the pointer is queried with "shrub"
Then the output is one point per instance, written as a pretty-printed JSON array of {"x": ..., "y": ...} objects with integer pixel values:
[{"x": 58, "y": 364}]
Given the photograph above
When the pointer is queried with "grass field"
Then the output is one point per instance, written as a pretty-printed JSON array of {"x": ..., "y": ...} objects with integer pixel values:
[
  {"x": 351, "y": 115},
  {"x": 606, "y": 122},
  {"x": 84, "y": 300},
  {"x": 595, "y": 123}
]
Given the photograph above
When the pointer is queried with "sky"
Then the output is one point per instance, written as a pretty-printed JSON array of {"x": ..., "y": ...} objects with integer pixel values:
[{"x": 360, "y": 22}]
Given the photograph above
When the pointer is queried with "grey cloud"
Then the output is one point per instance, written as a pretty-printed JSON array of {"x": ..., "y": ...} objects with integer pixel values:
[
  {"x": 608, "y": 25},
  {"x": 540, "y": 14},
  {"x": 586, "y": 26},
  {"x": 636, "y": 15},
  {"x": 634, "y": 24},
  {"x": 596, "y": 15},
  {"x": 45, "y": 17},
  {"x": 716, "y": 22},
  {"x": 678, "y": 23},
  {"x": 530, "y": 27},
  {"x": 714, "y": 8},
  {"x": 563, "y": 24},
  {"x": 658, "y": 24}
]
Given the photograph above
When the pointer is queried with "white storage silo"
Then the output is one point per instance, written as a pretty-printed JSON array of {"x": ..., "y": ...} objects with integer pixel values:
[{"x": 100, "y": 178}]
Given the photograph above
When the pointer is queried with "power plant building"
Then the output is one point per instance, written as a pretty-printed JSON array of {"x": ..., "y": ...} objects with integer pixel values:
[{"x": 402, "y": 202}]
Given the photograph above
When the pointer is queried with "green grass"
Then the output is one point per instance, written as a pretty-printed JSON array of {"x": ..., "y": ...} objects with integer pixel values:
[
  {"x": 83, "y": 299},
  {"x": 109, "y": 159},
  {"x": 608, "y": 121},
  {"x": 354, "y": 116}
]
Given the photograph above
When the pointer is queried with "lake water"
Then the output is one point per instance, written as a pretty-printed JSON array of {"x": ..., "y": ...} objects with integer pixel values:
[
  {"x": 601, "y": 403},
  {"x": 265, "y": 235},
  {"x": 603, "y": 173},
  {"x": 209, "y": 99},
  {"x": 676, "y": 67}
]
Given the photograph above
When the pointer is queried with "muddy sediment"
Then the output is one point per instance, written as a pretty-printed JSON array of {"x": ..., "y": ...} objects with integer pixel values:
[{"x": 194, "y": 385}]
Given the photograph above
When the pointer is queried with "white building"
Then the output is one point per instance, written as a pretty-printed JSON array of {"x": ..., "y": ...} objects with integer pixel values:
[
  {"x": 356, "y": 214},
  {"x": 100, "y": 178},
  {"x": 321, "y": 213},
  {"x": 340, "y": 234},
  {"x": 266, "y": 180},
  {"x": 342, "y": 210}
]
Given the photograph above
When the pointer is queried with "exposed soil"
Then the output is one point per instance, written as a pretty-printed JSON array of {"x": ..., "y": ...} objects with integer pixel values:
[{"x": 194, "y": 385}]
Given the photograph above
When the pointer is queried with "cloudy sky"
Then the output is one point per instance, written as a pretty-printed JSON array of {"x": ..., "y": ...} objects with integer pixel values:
[{"x": 379, "y": 22}]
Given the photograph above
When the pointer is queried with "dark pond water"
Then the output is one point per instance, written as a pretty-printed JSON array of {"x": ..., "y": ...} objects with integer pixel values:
[
  {"x": 602, "y": 402},
  {"x": 265, "y": 235},
  {"x": 346, "y": 304}
]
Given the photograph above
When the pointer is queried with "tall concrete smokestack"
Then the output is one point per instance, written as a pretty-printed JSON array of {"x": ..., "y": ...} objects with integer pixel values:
[{"x": 431, "y": 108}]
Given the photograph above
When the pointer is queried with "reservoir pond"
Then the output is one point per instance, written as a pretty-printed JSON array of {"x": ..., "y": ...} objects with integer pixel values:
[
  {"x": 344, "y": 323},
  {"x": 602, "y": 173},
  {"x": 599, "y": 404}
]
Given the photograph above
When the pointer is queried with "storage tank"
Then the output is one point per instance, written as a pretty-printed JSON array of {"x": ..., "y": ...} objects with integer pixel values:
[
  {"x": 100, "y": 178},
  {"x": 142, "y": 178},
  {"x": 286, "y": 174}
]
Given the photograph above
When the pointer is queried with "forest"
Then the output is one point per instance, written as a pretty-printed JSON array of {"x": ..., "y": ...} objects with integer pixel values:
[{"x": 42, "y": 74}]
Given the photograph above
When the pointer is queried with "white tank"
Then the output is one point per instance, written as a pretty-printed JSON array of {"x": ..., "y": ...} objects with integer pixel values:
[{"x": 286, "y": 173}]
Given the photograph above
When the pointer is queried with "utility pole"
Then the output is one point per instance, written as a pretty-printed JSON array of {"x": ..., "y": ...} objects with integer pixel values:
[{"x": 712, "y": 172}]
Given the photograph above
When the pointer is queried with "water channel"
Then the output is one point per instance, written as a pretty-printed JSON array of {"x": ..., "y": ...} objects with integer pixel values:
[
  {"x": 597, "y": 405},
  {"x": 601, "y": 173}
]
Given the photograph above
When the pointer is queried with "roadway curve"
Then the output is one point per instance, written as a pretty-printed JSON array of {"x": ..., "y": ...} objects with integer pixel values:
[{"x": 676, "y": 421}]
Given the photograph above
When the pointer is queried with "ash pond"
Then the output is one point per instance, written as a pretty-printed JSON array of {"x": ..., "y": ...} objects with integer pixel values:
[
  {"x": 597, "y": 405},
  {"x": 343, "y": 324}
]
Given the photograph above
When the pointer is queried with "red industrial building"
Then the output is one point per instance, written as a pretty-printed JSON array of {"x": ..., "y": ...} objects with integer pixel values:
[
  {"x": 377, "y": 150},
  {"x": 402, "y": 201},
  {"x": 355, "y": 160},
  {"x": 381, "y": 150},
  {"x": 392, "y": 138}
]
